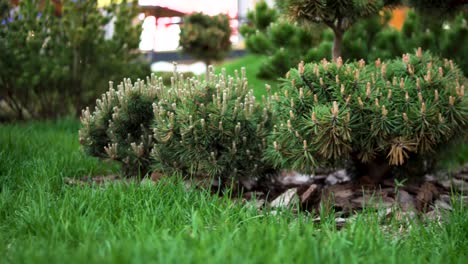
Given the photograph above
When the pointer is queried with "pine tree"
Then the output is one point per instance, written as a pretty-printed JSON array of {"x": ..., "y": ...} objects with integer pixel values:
[
  {"x": 259, "y": 19},
  {"x": 369, "y": 38},
  {"x": 267, "y": 33},
  {"x": 379, "y": 116},
  {"x": 337, "y": 15},
  {"x": 373, "y": 38},
  {"x": 205, "y": 37},
  {"x": 340, "y": 15}
]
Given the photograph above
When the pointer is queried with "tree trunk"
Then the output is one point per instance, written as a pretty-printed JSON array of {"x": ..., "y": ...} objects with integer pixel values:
[{"x": 337, "y": 43}]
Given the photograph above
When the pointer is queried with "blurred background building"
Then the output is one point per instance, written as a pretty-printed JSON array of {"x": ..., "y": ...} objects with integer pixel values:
[{"x": 165, "y": 26}]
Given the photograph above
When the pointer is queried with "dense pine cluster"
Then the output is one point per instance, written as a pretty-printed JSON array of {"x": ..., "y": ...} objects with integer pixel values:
[
  {"x": 386, "y": 113},
  {"x": 330, "y": 112},
  {"x": 212, "y": 128}
]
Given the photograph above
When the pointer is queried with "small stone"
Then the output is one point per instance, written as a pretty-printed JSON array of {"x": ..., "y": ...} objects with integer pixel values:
[
  {"x": 460, "y": 185},
  {"x": 462, "y": 176},
  {"x": 331, "y": 180},
  {"x": 442, "y": 205},
  {"x": 445, "y": 197},
  {"x": 465, "y": 169},
  {"x": 430, "y": 178},
  {"x": 340, "y": 222},
  {"x": 338, "y": 176},
  {"x": 296, "y": 179},
  {"x": 338, "y": 195},
  {"x": 286, "y": 199},
  {"x": 248, "y": 184},
  {"x": 71, "y": 181},
  {"x": 341, "y": 175},
  {"x": 446, "y": 184},
  {"x": 405, "y": 200},
  {"x": 455, "y": 184}
]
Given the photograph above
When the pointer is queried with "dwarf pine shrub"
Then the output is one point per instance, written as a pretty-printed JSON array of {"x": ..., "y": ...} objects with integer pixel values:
[
  {"x": 380, "y": 116},
  {"x": 120, "y": 126},
  {"x": 212, "y": 128}
]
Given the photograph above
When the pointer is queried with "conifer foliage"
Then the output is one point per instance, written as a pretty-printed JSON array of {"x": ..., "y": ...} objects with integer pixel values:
[
  {"x": 285, "y": 43},
  {"x": 384, "y": 113},
  {"x": 119, "y": 128},
  {"x": 205, "y": 37},
  {"x": 338, "y": 15},
  {"x": 52, "y": 66},
  {"x": 212, "y": 128}
]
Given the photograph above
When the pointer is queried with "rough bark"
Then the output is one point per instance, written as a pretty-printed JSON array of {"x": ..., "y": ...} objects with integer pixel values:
[{"x": 337, "y": 44}]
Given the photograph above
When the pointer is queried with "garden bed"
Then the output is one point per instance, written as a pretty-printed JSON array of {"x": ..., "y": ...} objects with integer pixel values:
[{"x": 334, "y": 191}]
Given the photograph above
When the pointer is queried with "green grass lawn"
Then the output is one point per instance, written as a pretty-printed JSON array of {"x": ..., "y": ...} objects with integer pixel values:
[
  {"x": 42, "y": 220},
  {"x": 252, "y": 64}
]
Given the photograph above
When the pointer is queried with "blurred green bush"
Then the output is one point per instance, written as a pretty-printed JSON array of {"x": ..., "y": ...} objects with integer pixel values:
[
  {"x": 206, "y": 38},
  {"x": 287, "y": 43},
  {"x": 53, "y": 64}
]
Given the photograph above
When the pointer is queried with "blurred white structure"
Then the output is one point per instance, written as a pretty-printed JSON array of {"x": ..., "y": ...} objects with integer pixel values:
[
  {"x": 164, "y": 66},
  {"x": 162, "y": 34}
]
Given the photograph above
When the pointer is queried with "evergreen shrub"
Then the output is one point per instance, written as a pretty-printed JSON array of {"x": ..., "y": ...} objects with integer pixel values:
[
  {"x": 380, "y": 116},
  {"x": 284, "y": 43},
  {"x": 54, "y": 61},
  {"x": 210, "y": 128}
]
